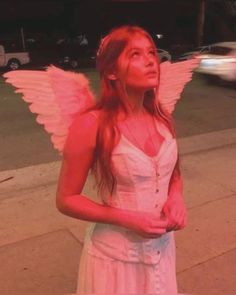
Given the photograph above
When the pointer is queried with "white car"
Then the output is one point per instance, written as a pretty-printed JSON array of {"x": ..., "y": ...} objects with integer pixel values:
[
  {"x": 196, "y": 51},
  {"x": 163, "y": 55},
  {"x": 220, "y": 61},
  {"x": 13, "y": 60}
]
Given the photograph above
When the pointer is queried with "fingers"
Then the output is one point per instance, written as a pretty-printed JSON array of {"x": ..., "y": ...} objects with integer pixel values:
[
  {"x": 159, "y": 221},
  {"x": 161, "y": 224},
  {"x": 177, "y": 220},
  {"x": 165, "y": 210},
  {"x": 157, "y": 228},
  {"x": 176, "y": 213}
]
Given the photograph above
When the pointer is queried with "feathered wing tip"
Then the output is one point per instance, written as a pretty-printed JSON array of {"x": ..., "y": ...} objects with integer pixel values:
[
  {"x": 55, "y": 95},
  {"x": 173, "y": 78}
]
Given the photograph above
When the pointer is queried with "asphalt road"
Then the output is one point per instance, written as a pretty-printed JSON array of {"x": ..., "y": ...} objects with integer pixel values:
[{"x": 203, "y": 108}]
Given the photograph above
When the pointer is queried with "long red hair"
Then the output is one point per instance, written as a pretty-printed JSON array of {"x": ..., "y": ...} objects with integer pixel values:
[{"x": 109, "y": 103}]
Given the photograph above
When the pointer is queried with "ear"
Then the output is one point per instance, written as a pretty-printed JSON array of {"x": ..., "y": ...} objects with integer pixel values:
[{"x": 112, "y": 77}]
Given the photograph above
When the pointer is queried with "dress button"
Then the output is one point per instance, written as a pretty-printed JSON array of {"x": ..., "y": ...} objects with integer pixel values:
[
  {"x": 156, "y": 205},
  {"x": 158, "y": 252},
  {"x": 132, "y": 253},
  {"x": 157, "y": 190}
]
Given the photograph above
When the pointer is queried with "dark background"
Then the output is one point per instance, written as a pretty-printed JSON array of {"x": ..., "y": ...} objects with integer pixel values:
[{"x": 46, "y": 22}]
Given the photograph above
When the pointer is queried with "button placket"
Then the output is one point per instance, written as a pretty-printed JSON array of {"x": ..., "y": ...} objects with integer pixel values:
[
  {"x": 157, "y": 174},
  {"x": 157, "y": 279}
]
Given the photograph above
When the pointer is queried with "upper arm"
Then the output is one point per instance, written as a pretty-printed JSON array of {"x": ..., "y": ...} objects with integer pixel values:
[
  {"x": 176, "y": 181},
  {"x": 78, "y": 156}
]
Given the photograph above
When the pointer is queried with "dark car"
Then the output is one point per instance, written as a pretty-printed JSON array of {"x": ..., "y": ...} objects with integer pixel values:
[{"x": 75, "y": 52}]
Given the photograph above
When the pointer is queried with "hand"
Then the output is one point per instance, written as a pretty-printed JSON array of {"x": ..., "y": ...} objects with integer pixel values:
[
  {"x": 147, "y": 224},
  {"x": 175, "y": 211}
]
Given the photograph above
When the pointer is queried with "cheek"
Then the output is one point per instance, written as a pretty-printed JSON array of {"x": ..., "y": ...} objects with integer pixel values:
[
  {"x": 134, "y": 77},
  {"x": 135, "y": 71},
  {"x": 122, "y": 71}
]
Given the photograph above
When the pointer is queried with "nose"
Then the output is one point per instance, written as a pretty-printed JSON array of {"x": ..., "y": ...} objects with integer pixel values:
[{"x": 148, "y": 59}]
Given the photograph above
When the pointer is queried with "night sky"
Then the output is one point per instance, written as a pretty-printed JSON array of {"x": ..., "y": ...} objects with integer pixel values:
[{"x": 175, "y": 19}]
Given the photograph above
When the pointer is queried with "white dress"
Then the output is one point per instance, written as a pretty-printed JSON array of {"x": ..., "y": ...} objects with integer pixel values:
[{"x": 116, "y": 260}]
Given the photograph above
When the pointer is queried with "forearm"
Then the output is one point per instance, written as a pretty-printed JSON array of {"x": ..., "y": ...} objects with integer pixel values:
[
  {"x": 176, "y": 187},
  {"x": 81, "y": 207}
]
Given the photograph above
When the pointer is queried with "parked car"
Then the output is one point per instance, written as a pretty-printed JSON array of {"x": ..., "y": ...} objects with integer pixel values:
[
  {"x": 220, "y": 61},
  {"x": 196, "y": 51},
  {"x": 77, "y": 59},
  {"x": 75, "y": 52},
  {"x": 163, "y": 55},
  {"x": 13, "y": 60}
]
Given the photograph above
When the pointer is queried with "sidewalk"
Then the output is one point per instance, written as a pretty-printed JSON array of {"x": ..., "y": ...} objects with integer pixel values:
[{"x": 40, "y": 248}]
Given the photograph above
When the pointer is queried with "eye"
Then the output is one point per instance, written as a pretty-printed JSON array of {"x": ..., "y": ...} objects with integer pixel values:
[
  {"x": 135, "y": 54},
  {"x": 152, "y": 52}
]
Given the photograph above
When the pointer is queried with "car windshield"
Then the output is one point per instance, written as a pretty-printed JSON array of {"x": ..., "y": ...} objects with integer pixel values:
[{"x": 220, "y": 50}]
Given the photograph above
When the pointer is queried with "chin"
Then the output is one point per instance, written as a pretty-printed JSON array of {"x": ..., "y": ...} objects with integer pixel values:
[
  {"x": 150, "y": 86},
  {"x": 152, "y": 83}
]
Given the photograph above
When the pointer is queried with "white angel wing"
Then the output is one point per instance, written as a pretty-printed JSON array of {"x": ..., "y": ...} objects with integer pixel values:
[
  {"x": 56, "y": 96},
  {"x": 173, "y": 77}
]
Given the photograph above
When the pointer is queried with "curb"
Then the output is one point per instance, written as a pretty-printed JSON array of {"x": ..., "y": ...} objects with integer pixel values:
[{"x": 47, "y": 173}]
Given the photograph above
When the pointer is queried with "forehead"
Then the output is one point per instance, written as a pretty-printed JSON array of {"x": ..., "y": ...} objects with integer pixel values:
[{"x": 139, "y": 41}]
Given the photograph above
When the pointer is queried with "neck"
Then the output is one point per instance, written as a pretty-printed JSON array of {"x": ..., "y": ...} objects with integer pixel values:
[{"x": 134, "y": 102}]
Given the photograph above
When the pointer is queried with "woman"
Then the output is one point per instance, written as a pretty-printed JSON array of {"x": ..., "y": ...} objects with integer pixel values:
[{"x": 129, "y": 143}]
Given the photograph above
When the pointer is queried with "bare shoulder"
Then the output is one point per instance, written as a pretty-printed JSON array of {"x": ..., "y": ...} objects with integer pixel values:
[
  {"x": 83, "y": 132},
  {"x": 86, "y": 122}
]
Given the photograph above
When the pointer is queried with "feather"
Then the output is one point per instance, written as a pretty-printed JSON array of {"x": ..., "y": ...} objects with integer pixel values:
[
  {"x": 173, "y": 78},
  {"x": 55, "y": 95}
]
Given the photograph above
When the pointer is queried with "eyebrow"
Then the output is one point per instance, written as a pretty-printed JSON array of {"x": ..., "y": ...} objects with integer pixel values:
[{"x": 140, "y": 48}]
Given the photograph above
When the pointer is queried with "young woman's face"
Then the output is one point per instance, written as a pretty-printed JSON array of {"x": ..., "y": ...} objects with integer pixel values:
[{"x": 137, "y": 66}]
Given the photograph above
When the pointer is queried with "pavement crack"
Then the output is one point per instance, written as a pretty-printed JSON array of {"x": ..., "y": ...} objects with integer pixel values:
[
  {"x": 205, "y": 150},
  {"x": 34, "y": 237},
  {"x": 75, "y": 237},
  {"x": 212, "y": 201},
  {"x": 6, "y": 179},
  {"x": 205, "y": 261},
  {"x": 26, "y": 189}
]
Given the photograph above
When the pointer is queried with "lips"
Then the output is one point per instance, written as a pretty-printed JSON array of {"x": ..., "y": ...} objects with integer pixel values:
[{"x": 151, "y": 73}]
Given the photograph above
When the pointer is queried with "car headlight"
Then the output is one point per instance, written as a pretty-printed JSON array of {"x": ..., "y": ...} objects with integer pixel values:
[{"x": 216, "y": 61}]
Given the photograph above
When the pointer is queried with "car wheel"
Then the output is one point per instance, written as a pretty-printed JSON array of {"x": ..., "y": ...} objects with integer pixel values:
[
  {"x": 74, "y": 64},
  {"x": 13, "y": 64}
]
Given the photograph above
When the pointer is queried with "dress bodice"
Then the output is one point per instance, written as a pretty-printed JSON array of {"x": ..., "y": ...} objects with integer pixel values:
[
  {"x": 142, "y": 185},
  {"x": 142, "y": 181}
]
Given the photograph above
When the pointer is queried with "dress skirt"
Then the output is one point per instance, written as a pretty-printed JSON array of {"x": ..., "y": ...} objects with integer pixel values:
[{"x": 99, "y": 274}]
